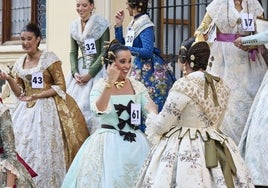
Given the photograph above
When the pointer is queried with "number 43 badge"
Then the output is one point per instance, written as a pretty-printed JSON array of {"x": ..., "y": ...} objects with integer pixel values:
[
  {"x": 135, "y": 114},
  {"x": 37, "y": 80}
]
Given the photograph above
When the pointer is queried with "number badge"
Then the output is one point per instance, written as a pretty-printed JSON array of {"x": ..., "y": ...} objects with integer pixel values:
[{"x": 37, "y": 80}]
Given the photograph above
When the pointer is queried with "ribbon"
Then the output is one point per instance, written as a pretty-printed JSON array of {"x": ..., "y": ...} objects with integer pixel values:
[
  {"x": 128, "y": 136},
  {"x": 28, "y": 168},
  {"x": 121, "y": 108},
  {"x": 228, "y": 37},
  {"x": 216, "y": 152},
  {"x": 209, "y": 82},
  {"x": 252, "y": 54}
]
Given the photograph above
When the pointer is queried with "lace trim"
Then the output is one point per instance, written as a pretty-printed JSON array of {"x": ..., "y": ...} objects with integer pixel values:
[
  {"x": 194, "y": 88},
  {"x": 138, "y": 87},
  {"x": 221, "y": 16},
  {"x": 46, "y": 59},
  {"x": 140, "y": 24},
  {"x": 6, "y": 165},
  {"x": 59, "y": 91},
  {"x": 94, "y": 28}
]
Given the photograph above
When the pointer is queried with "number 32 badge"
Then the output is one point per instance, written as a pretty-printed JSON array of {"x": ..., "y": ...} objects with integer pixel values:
[{"x": 90, "y": 46}]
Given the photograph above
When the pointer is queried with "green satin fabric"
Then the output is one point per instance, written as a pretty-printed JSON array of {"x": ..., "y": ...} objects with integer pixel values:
[
  {"x": 209, "y": 82},
  {"x": 218, "y": 153}
]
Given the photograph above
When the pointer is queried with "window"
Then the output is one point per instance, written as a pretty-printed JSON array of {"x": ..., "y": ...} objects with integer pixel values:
[{"x": 14, "y": 14}]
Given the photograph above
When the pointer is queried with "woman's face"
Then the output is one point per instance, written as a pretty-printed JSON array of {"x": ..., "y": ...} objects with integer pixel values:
[
  {"x": 123, "y": 63},
  {"x": 130, "y": 10},
  {"x": 84, "y": 8},
  {"x": 29, "y": 41}
]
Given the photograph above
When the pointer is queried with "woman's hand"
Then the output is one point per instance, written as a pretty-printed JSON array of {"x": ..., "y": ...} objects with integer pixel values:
[
  {"x": 151, "y": 106},
  {"x": 238, "y": 43},
  {"x": 82, "y": 79},
  {"x": 119, "y": 18},
  {"x": 112, "y": 73},
  {"x": 4, "y": 76},
  {"x": 29, "y": 98}
]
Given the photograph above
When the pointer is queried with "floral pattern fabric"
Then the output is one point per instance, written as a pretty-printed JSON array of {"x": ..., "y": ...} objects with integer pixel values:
[
  {"x": 148, "y": 67},
  {"x": 8, "y": 158},
  {"x": 253, "y": 144},
  {"x": 179, "y": 133},
  {"x": 48, "y": 131},
  {"x": 233, "y": 65}
]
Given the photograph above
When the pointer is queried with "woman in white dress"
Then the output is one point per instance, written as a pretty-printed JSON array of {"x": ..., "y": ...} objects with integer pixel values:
[
  {"x": 88, "y": 33},
  {"x": 241, "y": 69},
  {"x": 48, "y": 125},
  {"x": 253, "y": 143},
  {"x": 189, "y": 149}
]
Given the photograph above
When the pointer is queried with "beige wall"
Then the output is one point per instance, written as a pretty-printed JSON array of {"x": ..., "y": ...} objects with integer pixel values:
[{"x": 60, "y": 14}]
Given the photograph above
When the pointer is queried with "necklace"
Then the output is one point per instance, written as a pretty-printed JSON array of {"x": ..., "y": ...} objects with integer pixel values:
[{"x": 119, "y": 84}]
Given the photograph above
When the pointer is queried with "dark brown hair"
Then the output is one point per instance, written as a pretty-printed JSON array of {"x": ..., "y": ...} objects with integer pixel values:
[
  {"x": 194, "y": 52},
  {"x": 33, "y": 27},
  {"x": 111, "y": 52},
  {"x": 141, "y": 5}
]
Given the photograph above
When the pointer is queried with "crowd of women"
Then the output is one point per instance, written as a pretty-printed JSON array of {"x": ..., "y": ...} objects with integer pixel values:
[{"x": 114, "y": 122}]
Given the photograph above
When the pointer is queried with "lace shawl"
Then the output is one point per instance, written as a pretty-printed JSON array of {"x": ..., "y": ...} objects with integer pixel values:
[
  {"x": 139, "y": 24},
  {"x": 94, "y": 28}
]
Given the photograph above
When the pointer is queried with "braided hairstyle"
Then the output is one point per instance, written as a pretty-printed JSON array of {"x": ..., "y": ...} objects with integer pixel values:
[
  {"x": 141, "y": 5},
  {"x": 111, "y": 51},
  {"x": 194, "y": 53}
]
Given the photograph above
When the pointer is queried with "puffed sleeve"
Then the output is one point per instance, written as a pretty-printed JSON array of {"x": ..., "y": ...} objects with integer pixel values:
[
  {"x": 95, "y": 93},
  {"x": 158, "y": 124},
  {"x": 204, "y": 25}
]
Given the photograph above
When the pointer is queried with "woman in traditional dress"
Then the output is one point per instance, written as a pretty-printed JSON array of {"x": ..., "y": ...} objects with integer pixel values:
[
  {"x": 242, "y": 69},
  {"x": 13, "y": 173},
  {"x": 189, "y": 149},
  {"x": 88, "y": 33},
  {"x": 113, "y": 155},
  {"x": 148, "y": 66},
  {"x": 48, "y": 125}
]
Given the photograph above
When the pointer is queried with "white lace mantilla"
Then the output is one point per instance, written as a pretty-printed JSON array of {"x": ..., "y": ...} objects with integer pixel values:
[
  {"x": 46, "y": 59},
  {"x": 94, "y": 28},
  {"x": 139, "y": 24}
]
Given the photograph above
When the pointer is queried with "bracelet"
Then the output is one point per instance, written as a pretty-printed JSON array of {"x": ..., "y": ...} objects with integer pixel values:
[{"x": 108, "y": 85}]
